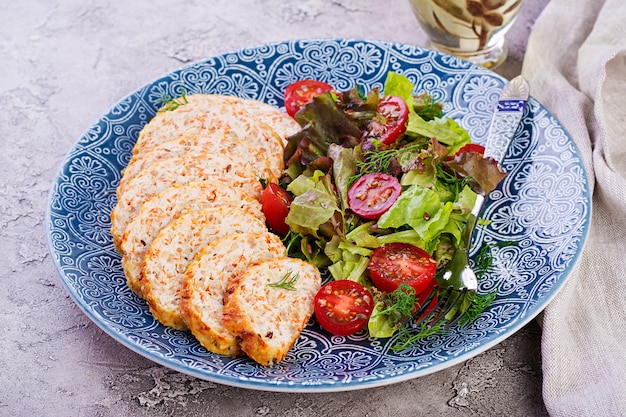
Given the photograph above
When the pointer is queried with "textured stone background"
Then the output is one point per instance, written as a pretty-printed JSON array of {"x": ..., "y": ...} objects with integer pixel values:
[{"x": 63, "y": 64}]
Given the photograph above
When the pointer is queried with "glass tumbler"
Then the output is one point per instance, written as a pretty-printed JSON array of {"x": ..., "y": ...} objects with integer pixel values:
[{"x": 469, "y": 29}]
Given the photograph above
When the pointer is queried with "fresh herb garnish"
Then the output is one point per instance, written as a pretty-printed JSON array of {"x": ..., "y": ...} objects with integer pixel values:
[
  {"x": 376, "y": 160},
  {"x": 291, "y": 241},
  {"x": 450, "y": 179},
  {"x": 399, "y": 303},
  {"x": 171, "y": 103},
  {"x": 484, "y": 260},
  {"x": 479, "y": 304},
  {"x": 287, "y": 282},
  {"x": 406, "y": 338},
  {"x": 427, "y": 107}
]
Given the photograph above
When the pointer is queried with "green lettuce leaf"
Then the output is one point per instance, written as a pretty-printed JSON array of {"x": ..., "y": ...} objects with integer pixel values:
[
  {"x": 409, "y": 236},
  {"x": 445, "y": 130},
  {"x": 309, "y": 211},
  {"x": 398, "y": 85},
  {"x": 312, "y": 250},
  {"x": 465, "y": 201},
  {"x": 350, "y": 270},
  {"x": 445, "y": 249},
  {"x": 379, "y": 325},
  {"x": 455, "y": 228},
  {"x": 344, "y": 168},
  {"x": 422, "y": 210},
  {"x": 415, "y": 206},
  {"x": 362, "y": 236},
  {"x": 300, "y": 185},
  {"x": 427, "y": 179}
]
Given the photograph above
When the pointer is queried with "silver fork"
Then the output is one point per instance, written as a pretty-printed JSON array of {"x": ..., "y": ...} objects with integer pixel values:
[
  {"x": 458, "y": 278},
  {"x": 459, "y": 281}
]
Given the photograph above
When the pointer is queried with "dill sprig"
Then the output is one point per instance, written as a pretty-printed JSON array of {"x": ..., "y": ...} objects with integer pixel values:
[
  {"x": 379, "y": 160},
  {"x": 407, "y": 338},
  {"x": 450, "y": 179},
  {"x": 399, "y": 303},
  {"x": 484, "y": 259},
  {"x": 287, "y": 282},
  {"x": 290, "y": 240},
  {"x": 427, "y": 107},
  {"x": 479, "y": 304},
  {"x": 172, "y": 103}
]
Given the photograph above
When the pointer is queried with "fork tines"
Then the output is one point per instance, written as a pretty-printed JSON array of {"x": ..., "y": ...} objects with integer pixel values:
[{"x": 449, "y": 303}]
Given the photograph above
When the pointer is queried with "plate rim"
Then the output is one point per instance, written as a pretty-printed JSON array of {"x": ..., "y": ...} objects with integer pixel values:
[{"x": 282, "y": 386}]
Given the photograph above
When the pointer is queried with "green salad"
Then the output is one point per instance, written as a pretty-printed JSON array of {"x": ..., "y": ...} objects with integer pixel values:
[{"x": 377, "y": 189}]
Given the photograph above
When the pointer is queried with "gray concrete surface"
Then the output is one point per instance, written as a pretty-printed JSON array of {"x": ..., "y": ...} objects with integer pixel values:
[{"x": 64, "y": 62}]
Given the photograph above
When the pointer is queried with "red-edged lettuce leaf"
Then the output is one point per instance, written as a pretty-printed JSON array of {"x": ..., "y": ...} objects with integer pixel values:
[
  {"x": 484, "y": 174},
  {"x": 323, "y": 122}
]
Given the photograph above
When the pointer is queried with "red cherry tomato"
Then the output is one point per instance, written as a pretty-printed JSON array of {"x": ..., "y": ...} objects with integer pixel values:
[
  {"x": 301, "y": 92},
  {"x": 372, "y": 194},
  {"x": 472, "y": 147},
  {"x": 396, "y": 114},
  {"x": 400, "y": 263},
  {"x": 275, "y": 204},
  {"x": 343, "y": 307},
  {"x": 423, "y": 296}
]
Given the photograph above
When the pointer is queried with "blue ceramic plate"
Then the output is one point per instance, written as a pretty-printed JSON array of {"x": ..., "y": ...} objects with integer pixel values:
[{"x": 543, "y": 205}]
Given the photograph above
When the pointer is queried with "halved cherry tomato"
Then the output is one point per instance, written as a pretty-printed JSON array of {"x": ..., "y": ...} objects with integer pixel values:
[
  {"x": 393, "y": 264},
  {"x": 396, "y": 114},
  {"x": 372, "y": 194},
  {"x": 275, "y": 204},
  {"x": 343, "y": 307},
  {"x": 301, "y": 92}
]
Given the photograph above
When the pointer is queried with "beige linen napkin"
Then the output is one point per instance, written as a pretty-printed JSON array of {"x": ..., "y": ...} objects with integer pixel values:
[{"x": 576, "y": 64}]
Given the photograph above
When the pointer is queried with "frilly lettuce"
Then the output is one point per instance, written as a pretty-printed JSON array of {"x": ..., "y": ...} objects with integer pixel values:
[
  {"x": 484, "y": 173},
  {"x": 422, "y": 210},
  {"x": 445, "y": 130},
  {"x": 422, "y": 120},
  {"x": 309, "y": 211},
  {"x": 380, "y": 325},
  {"x": 325, "y": 157}
]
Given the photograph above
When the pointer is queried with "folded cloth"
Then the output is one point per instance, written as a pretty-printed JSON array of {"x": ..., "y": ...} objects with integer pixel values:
[{"x": 576, "y": 65}]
